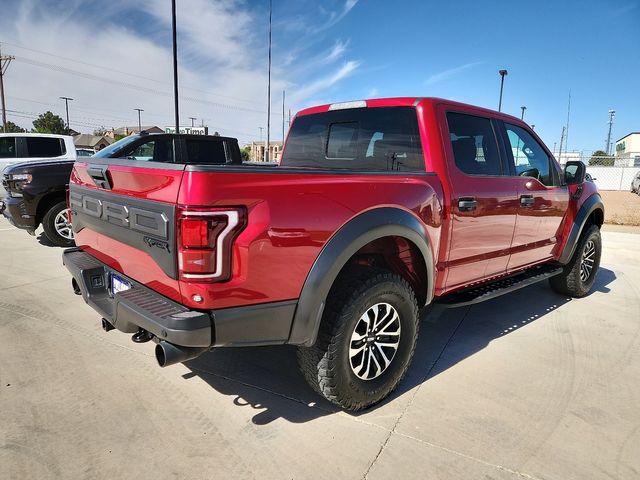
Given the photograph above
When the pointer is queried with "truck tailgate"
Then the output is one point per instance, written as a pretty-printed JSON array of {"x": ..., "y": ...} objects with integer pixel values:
[{"x": 124, "y": 215}]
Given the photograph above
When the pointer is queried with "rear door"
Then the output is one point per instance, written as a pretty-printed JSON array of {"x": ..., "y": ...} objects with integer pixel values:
[
  {"x": 542, "y": 200},
  {"x": 484, "y": 200},
  {"x": 124, "y": 210}
]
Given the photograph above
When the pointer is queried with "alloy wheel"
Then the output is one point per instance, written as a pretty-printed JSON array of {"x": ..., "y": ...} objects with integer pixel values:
[
  {"x": 374, "y": 342},
  {"x": 63, "y": 225},
  {"x": 588, "y": 260}
]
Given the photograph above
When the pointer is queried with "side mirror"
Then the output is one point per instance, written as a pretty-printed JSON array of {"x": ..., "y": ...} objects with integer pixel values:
[{"x": 574, "y": 172}]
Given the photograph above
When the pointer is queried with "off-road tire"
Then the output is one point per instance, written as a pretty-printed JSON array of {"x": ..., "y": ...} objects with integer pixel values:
[
  {"x": 569, "y": 282},
  {"x": 48, "y": 225},
  {"x": 326, "y": 365}
]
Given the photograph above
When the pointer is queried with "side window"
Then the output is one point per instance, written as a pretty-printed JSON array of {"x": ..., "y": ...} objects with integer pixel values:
[
  {"x": 343, "y": 140},
  {"x": 474, "y": 144},
  {"x": 529, "y": 157},
  {"x": 8, "y": 147},
  {"x": 45, "y": 147},
  {"x": 206, "y": 152},
  {"x": 153, "y": 150}
]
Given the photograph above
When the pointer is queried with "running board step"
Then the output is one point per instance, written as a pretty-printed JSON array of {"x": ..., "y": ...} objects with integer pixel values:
[{"x": 497, "y": 288}]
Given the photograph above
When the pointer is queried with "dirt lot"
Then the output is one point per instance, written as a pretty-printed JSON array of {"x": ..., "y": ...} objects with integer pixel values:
[
  {"x": 530, "y": 385},
  {"x": 621, "y": 208}
]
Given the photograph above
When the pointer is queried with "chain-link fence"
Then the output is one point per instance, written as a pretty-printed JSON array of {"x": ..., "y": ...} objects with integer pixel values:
[{"x": 608, "y": 172}]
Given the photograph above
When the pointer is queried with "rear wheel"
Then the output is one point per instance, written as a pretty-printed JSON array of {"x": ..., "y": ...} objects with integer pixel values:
[
  {"x": 366, "y": 340},
  {"x": 57, "y": 225},
  {"x": 579, "y": 274}
]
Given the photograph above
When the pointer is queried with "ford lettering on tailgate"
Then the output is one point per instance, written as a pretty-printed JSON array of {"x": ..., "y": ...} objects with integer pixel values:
[
  {"x": 146, "y": 225},
  {"x": 144, "y": 221}
]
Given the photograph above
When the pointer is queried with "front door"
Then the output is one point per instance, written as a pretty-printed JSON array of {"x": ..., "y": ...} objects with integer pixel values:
[
  {"x": 484, "y": 201},
  {"x": 543, "y": 201}
]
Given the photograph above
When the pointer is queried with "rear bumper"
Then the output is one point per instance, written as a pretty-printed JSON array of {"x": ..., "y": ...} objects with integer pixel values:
[
  {"x": 16, "y": 211},
  {"x": 139, "y": 307}
]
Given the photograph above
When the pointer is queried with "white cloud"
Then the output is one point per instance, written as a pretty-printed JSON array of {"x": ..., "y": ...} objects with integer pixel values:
[
  {"x": 451, "y": 72},
  {"x": 326, "y": 82}
]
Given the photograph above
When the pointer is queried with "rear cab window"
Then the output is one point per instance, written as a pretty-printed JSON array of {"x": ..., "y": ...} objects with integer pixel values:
[
  {"x": 366, "y": 139},
  {"x": 203, "y": 151}
]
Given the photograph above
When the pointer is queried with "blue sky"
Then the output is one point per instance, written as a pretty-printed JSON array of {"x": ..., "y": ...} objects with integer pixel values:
[{"x": 113, "y": 57}]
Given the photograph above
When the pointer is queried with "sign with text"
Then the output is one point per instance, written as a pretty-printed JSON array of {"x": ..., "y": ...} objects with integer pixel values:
[{"x": 188, "y": 130}]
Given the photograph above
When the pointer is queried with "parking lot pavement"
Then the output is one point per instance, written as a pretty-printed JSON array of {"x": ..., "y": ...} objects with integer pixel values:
[{"x": 531, "y": 385}]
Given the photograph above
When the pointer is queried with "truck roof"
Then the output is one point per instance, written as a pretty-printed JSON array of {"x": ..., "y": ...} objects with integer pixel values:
[
  {"x": 30, "y": 134},
  {"x": 400, "y": 102}
]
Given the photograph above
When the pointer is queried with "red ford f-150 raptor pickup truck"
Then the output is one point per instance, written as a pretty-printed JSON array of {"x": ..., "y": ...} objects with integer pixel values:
[{"x": 378, "y": 208}]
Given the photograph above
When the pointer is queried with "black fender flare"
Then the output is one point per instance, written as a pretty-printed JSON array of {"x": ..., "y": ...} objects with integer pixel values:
[
  {"x": 351, "y": 237},
  {"x": 591, "y": 204}
]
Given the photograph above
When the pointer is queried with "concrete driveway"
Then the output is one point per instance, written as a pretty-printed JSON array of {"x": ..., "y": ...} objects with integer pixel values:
[{"x": 530, "y": 385}]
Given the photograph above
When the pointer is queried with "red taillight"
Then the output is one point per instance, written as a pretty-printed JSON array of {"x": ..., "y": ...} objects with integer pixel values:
[{"x": 205, "y": 243}]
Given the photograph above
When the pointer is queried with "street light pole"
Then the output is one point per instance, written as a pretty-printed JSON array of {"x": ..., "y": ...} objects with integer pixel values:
[
  {"x": 175, "y": 63},
  {"x": 193, "y": 119},
  {"x": 266, "y": 150},
  {"x": 139, "y": 122},
  {"x": 523, "y": 108},
  {"x": 66, "y": 105},
  {"x": 502, "y": 73}
]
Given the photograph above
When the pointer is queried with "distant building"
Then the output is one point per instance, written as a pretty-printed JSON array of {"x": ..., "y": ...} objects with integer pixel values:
[
  {"x": 256, "y": 151},
  {"x": 628, "y": 150},
  {"x": 126, "y": 131},
  {"x": 95, "y": 142}
]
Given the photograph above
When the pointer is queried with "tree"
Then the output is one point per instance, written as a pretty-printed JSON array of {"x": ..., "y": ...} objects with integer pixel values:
[
  {"x": 601, "y": 158},
  {"x": 49, "y": 123},
  {"x": 100, "y": 132},
  {"x": 245, "y": 154},
  {"x": 13, "y": 128}
]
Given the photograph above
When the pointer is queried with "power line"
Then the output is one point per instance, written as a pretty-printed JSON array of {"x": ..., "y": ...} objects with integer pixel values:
[
  {"x": 90, "y": 76},
  {"x": 113, "y": 70}
]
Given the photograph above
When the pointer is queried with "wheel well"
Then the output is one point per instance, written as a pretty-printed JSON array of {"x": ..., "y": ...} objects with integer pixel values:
[
  {"x": 396, "y": 254},
  {"x": 595, "y": 218},
  {"x": 47, "y": 202}
]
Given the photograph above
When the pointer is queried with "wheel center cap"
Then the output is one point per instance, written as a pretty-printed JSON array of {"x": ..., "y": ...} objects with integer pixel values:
[{"x": 371, "y": 338}]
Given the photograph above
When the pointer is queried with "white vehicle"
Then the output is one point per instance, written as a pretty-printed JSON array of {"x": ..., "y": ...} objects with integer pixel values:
[{"x": 27, "y": 147}]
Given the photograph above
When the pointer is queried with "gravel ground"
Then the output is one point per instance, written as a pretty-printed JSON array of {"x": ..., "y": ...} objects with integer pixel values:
[{"x": 621, "y": 208}]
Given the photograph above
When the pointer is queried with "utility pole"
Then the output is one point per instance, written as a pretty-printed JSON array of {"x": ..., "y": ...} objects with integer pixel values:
[
  {"x": 5, "y": 60},
  {"x": 566, "y": 136},
  {"x": 561, "y": 140},
  {"x": 266, "y": 150},
  {"x": 66, "y": 106},
  {"x": 283, "y": 96},
  {"x": 523, "y": 108},
  {"x": 193, "y": 119},
  {"x": 175, "y": 63},
  {"x": 612, "y": 113},
  {"x": 139, "y": 122},
  {"x": 502, "y": 73}
]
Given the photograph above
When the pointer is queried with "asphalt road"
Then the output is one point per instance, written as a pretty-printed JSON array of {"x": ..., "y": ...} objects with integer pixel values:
[{"x": 531, "y": 385}]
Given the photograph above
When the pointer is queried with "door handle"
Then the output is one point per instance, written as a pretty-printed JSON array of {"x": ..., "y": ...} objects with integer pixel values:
[
  {"x": 527, "y": 200},
  {"x": 467, "y": 204}
]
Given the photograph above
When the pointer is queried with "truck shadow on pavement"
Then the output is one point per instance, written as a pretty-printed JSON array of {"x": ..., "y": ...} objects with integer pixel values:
[{"x": 267, "y": 380}]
